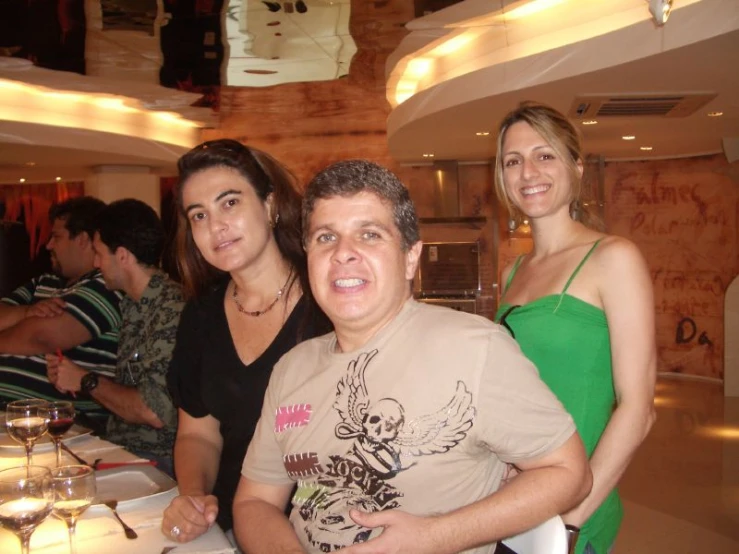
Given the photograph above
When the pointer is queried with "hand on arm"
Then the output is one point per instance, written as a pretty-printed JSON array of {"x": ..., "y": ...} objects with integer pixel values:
[
  {"x": 51, "y": 307},
  {"x": 545, "y": 487},
  {"x": 197, "y": 454},
  {"x": 626, "y": 292},
  {"x": 39, "y": 335},
  {"x": 260, "y": 524}
]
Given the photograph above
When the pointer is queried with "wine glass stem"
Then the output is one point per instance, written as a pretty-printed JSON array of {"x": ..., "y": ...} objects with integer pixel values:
[
  {"x": 25, "y": 542},
  {"x": 29, "y": 453},
  {"x": 58, "y": 444},
  {"x": 72, "y": 531}
]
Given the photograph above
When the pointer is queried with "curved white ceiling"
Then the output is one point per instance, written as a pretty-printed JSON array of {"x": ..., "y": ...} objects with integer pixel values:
[{"x": 574, "y": 48}]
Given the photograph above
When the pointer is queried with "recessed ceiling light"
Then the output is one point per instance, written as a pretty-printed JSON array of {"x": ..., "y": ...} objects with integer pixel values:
[
  {"x": 590, "y": 122},
  {"x": 645, "y": 148},
  {"x": 715, "y": 114},
  {"x": 22, "y": 180},
  {"x": 29, "y": 164},
  {"x": 628, "y": 137},
  {"x": 482, "y": 133},
  {"x": 58, "y": 179},
  {"x": 428, "y": 155}
]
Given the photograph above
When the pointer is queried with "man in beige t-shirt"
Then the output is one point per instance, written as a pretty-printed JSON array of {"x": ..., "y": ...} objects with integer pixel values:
[{"x": 397, "y": 427}]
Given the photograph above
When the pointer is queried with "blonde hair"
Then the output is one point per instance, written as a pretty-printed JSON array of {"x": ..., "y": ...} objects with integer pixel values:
[{"x": 560, "y": 134}]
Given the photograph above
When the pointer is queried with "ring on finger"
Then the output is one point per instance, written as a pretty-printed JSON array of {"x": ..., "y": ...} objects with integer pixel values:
[{"x": 175, "y": 532}]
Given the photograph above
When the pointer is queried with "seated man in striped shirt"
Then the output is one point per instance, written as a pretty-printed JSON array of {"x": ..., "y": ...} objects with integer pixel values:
[{"x": 70, "y": 311}]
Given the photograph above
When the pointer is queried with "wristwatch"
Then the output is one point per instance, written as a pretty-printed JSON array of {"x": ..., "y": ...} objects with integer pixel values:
[{"x": 89, "y": 382}]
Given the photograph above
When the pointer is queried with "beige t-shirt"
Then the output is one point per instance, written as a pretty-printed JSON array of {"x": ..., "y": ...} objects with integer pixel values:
[{"x": 422, "y": 419}]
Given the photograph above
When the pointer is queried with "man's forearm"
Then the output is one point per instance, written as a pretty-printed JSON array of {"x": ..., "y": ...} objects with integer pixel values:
[
  {"x": 530, "y": 498},
  {"x": 261, "y": 528},
  {"x": 10, "y": 315},
  {"x": 125, "y": 402}
]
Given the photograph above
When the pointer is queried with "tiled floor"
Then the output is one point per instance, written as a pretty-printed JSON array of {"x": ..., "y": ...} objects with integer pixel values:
[{"x": 681, "y": 492}]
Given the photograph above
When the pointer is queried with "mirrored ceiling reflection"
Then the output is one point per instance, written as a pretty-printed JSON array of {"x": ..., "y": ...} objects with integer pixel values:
[{"x": 273, "y": 42}]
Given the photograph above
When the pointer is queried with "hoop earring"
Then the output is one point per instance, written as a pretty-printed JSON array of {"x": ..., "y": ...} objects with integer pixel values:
[{"x": 275, "y": 221}]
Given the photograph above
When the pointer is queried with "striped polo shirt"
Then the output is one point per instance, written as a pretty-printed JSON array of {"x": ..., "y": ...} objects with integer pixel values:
[{"x": 90, "y": 303}]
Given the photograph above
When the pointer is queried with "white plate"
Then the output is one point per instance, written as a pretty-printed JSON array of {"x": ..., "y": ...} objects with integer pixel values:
[
  {"x": 131, "y": 482},
  {"x": 44, "y": 444}
]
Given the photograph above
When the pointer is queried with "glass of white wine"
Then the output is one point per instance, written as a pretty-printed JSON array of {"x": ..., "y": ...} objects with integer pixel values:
[
  {"x": 26, "y": 499},
  {"x": 26, "y": 421},
  {"x": 74, "y": 491}
]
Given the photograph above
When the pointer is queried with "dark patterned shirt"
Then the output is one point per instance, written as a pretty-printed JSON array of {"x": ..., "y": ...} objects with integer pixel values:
[
  {"x": 90, "y": 303},
  {"x": 147, "y": 338}
]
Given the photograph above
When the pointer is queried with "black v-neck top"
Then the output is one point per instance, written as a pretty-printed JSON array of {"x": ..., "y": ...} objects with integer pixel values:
[{"x": 207, "y": 377}]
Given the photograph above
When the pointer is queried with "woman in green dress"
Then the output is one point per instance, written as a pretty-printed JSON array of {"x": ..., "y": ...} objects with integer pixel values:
[{"x": 581, "y": 306}]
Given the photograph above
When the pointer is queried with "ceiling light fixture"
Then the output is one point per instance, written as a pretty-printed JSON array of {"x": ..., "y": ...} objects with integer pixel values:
[
  {"x": 660, "y": 10},
  {"x": 482, "y": 133},
  {"x": 590, "y": 122},
  {"x": 646, "y": 148},
  {"x": 531, "y": 8},
  {"x": 715, "y": 114},
  {"x": 428, "y": 155},
  {"x": 22, "y": 180},
  {"x": 58, "y": 179},
  {"x": 628, "y": 137}
]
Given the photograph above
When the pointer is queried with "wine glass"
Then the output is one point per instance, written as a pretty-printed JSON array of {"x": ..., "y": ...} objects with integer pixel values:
[
  {"x": 26, "y": 499},
  {"x": 74, "y": 491},
  {"x": 26, "y": 421},
  {"x": 61, "y": 417}
]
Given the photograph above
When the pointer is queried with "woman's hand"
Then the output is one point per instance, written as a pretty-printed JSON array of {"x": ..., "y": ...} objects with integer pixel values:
[{"x": 192, "y": 515}]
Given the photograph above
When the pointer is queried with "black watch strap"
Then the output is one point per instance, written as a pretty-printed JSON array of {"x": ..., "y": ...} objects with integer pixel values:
[{"x": 89, "y": 382}]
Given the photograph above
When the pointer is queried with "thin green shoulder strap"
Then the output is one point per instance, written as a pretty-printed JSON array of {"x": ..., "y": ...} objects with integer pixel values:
[
  {"x": 582, "y": 262},
  {"x": 513, "y": 272}
]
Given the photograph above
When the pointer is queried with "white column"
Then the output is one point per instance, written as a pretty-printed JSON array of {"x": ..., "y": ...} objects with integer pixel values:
[{"x": 113, "y": 182}]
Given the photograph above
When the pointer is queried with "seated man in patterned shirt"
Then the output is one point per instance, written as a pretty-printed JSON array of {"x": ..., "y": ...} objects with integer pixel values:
[
  {"x": 128, "y": 246},
  {"x": 69, "y": 311}
]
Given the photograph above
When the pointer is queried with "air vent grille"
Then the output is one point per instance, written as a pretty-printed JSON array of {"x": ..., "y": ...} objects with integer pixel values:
[{"x": 638, "y": 105}]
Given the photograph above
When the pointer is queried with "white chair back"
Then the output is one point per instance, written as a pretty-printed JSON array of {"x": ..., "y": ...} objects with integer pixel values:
[{"x": 548, "y": 538}]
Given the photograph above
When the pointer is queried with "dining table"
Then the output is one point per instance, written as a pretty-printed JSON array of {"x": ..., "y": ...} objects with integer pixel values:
[{"x": 142, "y": 493}]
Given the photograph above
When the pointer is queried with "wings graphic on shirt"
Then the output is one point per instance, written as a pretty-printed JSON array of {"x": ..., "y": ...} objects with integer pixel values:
[{"x": 380, "y": 429}]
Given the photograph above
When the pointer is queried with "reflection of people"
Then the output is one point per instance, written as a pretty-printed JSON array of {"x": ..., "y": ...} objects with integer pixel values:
[
  {"x": 69, "y": 311},
  {"x": 128, "y": 246},
  {"x": 241, "y": 256},
  {"x": 403, "y": 418},
  {"x": 580, "y": 305}
]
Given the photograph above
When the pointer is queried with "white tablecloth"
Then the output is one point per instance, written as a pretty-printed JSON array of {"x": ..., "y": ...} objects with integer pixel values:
[{"x": 98, "y": 532}]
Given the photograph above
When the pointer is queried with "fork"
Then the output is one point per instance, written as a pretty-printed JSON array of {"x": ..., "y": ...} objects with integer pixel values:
[{"x": 113, "y": 504}]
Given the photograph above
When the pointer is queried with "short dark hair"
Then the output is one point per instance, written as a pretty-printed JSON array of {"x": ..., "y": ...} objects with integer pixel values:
[
  {"x": 135, "y": 226},
  {"x": 79, "y": 214},
  {"x": 350, "y": 177}
]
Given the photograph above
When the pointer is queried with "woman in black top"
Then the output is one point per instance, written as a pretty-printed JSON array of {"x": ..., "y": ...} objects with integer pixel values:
[{"x": 243, "y": 266}]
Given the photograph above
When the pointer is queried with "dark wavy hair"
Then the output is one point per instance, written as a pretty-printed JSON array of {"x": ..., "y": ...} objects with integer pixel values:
[
  {"x": 79, "y": 214},
  {"x": 267, "y": 176},
  {"x": 135, "y": 226}
]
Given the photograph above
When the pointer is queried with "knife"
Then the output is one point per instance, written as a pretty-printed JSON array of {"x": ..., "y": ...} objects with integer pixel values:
[{"x": 75, "y": 456}]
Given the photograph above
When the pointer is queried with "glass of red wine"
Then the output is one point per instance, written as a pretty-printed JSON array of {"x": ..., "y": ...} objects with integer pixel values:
[{"x": 61, "y": 417}]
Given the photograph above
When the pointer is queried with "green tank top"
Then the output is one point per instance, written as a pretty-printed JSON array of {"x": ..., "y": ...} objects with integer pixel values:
[{"x": 568, "y": 341}]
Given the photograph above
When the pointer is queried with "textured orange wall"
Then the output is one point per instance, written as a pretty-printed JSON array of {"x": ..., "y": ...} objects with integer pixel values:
[{"x": 684, "y": 215}]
